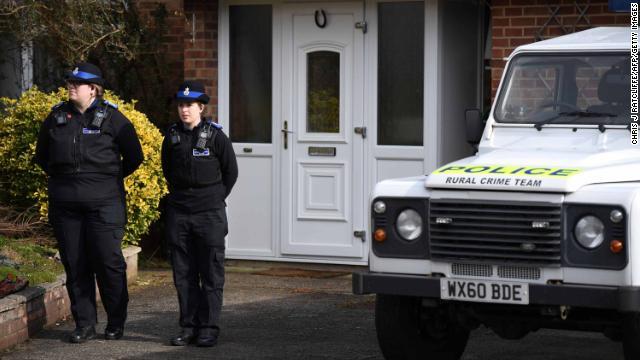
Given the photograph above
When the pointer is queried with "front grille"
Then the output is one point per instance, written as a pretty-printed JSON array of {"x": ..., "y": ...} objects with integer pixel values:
[
  {"x": 472, "y": 270},
  {"x": 527, "y": 233},
  {"x": 519, "y": 272}
]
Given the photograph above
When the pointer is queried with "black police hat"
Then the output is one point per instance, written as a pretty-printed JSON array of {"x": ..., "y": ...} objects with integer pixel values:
[
  {"x": 85, "y": 73},
  {"x": 191, "y": 91}
]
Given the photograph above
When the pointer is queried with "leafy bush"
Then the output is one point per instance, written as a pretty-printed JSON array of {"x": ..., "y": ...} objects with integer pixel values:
[{"x": 23, "y": 183}]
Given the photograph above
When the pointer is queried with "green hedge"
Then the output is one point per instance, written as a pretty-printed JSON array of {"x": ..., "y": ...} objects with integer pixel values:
[{"x": 23, "y": 183}]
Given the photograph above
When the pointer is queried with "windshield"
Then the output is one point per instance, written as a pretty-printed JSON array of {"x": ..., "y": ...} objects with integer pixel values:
[{"x": 572, "y": 89}]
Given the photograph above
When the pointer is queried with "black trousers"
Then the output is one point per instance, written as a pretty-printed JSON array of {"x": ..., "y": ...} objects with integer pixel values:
[
  {"x": 89, "y": 236},
  {"x": 196, "y": 242}
]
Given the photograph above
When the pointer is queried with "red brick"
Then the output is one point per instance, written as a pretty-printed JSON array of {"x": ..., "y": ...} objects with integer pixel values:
[
  {"x": 513, "y": 11},
  {"x": 526, "y": 21},
  {"x": 513, "y": 32},
  {"x": 36, "y": 314},
  {"x": 541, "y": 20},
  {"x": 508, "y": 52},
  {"x": 195, "y": 54},
  {"x": 500, "y": 22},
  {"x": 496, "y": 63},
  {"x": 189, "y": 64},
  {"x": 567, "y": 10},
  {"x": 596, "y": 9},
  {"x": 622, "y": 20},
  {"x": 497, "y": 53},
  {"x": 500, "y": 43},
  {"x": 602, "y": 19},
  {"x": 554, "y": 31},
  {"x": 535, "y": 10},
  {"x": 515, "y": 42}
]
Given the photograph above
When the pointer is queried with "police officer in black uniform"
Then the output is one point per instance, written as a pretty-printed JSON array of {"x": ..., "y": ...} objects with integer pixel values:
[
  {"x": 200, "y": 166},
  {"x": 87, "y": 147}
]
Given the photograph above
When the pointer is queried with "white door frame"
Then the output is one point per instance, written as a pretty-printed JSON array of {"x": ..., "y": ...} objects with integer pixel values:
[
  {"x": 323, "y": 227},
  {"x": 429, "y": 153}
]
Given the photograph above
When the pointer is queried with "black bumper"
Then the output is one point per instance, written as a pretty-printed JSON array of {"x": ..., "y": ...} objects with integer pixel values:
[{"x": 588, "y": 296}]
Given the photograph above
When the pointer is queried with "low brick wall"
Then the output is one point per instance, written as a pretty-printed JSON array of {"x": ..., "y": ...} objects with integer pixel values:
[{"x": 26, "y": 312}]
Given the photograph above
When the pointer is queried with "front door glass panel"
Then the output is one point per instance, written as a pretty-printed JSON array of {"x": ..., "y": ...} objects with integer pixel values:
[{"x": 323, "y": 92}]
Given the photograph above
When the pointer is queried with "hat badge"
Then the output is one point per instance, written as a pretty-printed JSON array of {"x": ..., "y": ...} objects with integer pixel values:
[
  {"x": 186, "y": 91},
  {"x": 75, "y": 71}
]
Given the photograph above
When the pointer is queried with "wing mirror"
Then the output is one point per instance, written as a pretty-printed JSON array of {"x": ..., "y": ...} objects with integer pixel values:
[{"x": 475, "y": 125}]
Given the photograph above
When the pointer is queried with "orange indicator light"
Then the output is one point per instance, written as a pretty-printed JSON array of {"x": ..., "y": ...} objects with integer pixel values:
[
  {"x": 616, "y": 246},
  {"x": 380, "y": 235}
]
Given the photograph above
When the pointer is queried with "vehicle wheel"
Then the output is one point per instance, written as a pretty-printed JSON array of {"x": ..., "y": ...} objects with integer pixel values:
[
  {"x": 631, "y": 337},
  {"x": 407, "y": 330}
]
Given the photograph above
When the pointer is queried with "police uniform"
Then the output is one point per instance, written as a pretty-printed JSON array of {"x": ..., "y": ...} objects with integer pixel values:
[
  {"x": 86, "y": 157},
  {"x": 200, "y": 168}
]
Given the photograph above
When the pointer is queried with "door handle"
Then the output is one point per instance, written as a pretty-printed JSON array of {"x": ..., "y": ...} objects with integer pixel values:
[{"x": 286, "y": 133}]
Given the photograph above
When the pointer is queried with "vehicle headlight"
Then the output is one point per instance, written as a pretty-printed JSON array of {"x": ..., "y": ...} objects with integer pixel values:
[
  {"x": 409, "y": 224},
  {"x": 379, "y": 207},
  {"x": 589, "y": 232}
]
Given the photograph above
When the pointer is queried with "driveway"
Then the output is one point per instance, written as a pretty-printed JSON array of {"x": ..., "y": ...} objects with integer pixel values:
[{"x": 285, "y": 311}]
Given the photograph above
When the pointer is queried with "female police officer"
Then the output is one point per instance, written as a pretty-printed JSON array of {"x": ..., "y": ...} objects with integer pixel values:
[
  {"x": 87, "y": 147},
  {"x": 200, "y": 166}
]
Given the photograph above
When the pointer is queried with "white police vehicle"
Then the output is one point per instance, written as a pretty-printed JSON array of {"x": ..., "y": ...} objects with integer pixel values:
[{"x": 537, "y": 229}]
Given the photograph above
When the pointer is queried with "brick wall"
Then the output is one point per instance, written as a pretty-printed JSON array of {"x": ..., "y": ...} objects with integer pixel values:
[
  {"x": 517, "y": 22},
  {"x": 201, "y": 47},
  {"x": 28, "y": 311},
  {"x": 191, "y": 44},
  {"x": 172, "y": 51}
]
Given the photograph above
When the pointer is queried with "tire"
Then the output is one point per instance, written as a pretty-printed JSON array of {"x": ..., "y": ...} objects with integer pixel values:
[
  {"x": 406, "y": 330},
  {"x": 631, "y": 337}
]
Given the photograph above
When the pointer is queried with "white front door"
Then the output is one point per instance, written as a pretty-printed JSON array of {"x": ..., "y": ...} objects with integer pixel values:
[{"x": 322, "y": 157}]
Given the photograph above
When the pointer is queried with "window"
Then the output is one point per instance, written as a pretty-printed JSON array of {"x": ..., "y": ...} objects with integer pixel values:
[
  {"x": 250, "y": 73},
  {"x": 591, "y": 89},
  {"x": 401, "y": 73},
  {"x": 323, "y": 92}
]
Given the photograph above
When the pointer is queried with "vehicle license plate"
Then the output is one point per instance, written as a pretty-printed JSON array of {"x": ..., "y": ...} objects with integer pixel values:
[{"x": 484, "y": 291}]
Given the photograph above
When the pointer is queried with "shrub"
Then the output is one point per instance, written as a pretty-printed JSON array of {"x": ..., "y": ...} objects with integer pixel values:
[{"x": 23, "y": 183}]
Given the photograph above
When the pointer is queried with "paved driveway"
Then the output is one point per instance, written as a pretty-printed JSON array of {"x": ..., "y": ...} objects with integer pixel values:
[{"x": 285, "y": 314}]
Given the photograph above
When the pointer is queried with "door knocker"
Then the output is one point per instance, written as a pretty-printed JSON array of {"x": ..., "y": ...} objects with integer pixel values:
[{"x": 322, "y": 21}]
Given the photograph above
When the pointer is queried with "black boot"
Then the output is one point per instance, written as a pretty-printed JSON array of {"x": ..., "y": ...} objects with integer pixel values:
[
  {"x": 187, "y": 336},
  {"x": 82, "y": 334},
  {"x": 207, "y": 338},
  {"x": 113, "y": 332}
]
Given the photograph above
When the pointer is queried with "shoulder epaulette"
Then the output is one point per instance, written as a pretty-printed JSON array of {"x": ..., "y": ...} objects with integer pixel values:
[
  {"x": 214, "y": 124},
  {"x": 172, "y": 127},
  {"x": 56, "y": 106},
  {"x": 109, "y": 103}
]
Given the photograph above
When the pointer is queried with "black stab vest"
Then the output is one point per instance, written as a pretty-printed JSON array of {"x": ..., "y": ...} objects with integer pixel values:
[
  {"x": 78, "y": 148},
  {"x": 190, "y": 167}
]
